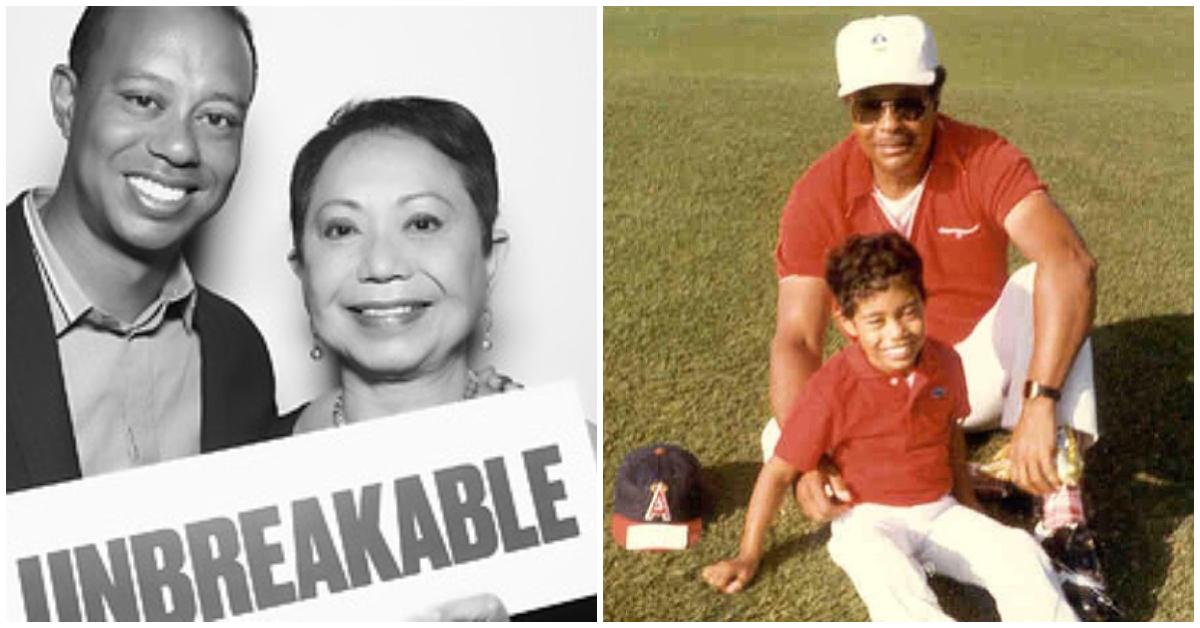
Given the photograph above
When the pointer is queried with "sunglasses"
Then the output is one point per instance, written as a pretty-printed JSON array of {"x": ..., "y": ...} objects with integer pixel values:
[{"x": 868, "y": 110}]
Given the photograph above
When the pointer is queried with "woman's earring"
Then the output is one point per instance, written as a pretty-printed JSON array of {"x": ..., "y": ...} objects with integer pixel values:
[
  {"x": 315, "y": 353},
  {"x": 485, "y": 319}
]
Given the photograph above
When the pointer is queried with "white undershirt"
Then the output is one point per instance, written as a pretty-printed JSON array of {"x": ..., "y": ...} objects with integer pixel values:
[{"x": 899, "y": 212}]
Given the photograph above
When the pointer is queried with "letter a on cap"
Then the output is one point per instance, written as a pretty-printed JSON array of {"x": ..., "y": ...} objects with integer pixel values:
[{"x": 659, "y": 508}]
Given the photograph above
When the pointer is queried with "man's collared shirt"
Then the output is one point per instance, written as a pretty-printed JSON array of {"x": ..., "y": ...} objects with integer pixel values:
[
  {"x": 133, "y": 389},
  {"x": 975, "y": 178}
]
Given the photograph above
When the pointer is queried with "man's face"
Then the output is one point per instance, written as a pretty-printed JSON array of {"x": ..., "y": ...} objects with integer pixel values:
[
  {"x": 889, "y": 325},
  {"x": 889, "y": 130},
  {"x": 154, "y": 128}
]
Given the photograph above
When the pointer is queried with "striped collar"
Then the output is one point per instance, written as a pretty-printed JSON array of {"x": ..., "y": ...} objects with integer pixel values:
[{"x": 70, "y": 305}]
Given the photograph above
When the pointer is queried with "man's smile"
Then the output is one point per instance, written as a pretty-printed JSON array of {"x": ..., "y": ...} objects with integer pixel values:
[{"x": 156, "y": 196}]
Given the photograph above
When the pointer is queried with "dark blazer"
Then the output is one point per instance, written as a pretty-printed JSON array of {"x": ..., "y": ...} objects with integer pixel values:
[{"x": 237, "y": 394}]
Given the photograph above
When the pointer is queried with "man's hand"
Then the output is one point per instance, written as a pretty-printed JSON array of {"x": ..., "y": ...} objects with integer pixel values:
[
  {"x": 730, "y": 576},
  {"x": 816, "y": 502},
  {"x": 1032, "y": 452}
]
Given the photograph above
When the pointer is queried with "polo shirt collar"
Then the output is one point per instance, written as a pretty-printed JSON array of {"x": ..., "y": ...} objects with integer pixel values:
[
  {"x": 69, "y": 304},
  {"x": 927, "y": 365},
  {"x": 860, "y": 181}
]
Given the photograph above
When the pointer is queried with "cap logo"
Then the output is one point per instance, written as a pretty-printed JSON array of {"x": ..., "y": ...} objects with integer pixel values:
[
  {"x": 939, "y": 392},
  {"x": 879, "y": 41},
  {"x": 659, "y": 509}
]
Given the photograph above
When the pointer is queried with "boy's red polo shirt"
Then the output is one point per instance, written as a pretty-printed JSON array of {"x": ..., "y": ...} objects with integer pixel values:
[
  {"x": 975, "y": 178},
  {"x": 891, "y": 442}
]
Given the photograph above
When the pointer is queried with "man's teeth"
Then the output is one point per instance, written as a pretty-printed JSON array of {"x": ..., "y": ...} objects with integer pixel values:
[{"x": 156, "y": 191}]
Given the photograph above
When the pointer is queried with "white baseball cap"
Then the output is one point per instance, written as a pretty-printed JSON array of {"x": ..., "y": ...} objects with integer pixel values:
[{"x": 885, "y": 50}]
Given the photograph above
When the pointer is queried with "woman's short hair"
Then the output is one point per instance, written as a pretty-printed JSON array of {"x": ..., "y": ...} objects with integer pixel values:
[{"x": 448, "y": 126}]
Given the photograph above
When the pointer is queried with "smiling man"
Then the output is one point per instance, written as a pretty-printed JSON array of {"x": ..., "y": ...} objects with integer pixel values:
[
  {"x": 960, "y": 194},
  {"x": 116, "y": 357}
]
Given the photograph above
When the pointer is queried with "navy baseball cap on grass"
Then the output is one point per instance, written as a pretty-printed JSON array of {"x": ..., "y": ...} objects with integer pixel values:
[{"x": 659, "y": 499}]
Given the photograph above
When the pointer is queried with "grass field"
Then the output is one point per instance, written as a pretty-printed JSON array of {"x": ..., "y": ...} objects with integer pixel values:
[{"x": 711, "y": 114}]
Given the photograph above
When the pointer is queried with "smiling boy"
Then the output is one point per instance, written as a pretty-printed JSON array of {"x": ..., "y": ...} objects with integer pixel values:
[{"x": 887, "y": 410}]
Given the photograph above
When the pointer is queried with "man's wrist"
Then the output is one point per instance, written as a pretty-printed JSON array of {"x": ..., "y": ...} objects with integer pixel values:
[
  {"x": 1034, "y": 389},
  {"x": 1040, "y": 411}
]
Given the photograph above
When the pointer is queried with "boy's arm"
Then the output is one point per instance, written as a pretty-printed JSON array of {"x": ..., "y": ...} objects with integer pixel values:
[
  {"x": 774, "y": 481},
  {"x": 964, "y": 489}
]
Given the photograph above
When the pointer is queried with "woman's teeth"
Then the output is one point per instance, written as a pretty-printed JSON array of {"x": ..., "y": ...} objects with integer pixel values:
[{"x": 398, "y": 310}]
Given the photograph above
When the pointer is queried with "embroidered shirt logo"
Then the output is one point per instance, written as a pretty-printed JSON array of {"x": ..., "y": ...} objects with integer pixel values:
[
  {"x": 659, "y": 508},
  {"x": 938, "y": 392},
  {"x": 958, "y": 232}
]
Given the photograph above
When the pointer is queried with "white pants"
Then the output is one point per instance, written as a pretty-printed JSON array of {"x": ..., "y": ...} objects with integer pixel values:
[
  {"x": 995, "y": 358},
  {"x": 884, "y": 550}
]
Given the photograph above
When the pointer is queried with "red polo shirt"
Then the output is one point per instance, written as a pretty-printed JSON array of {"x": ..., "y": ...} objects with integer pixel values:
[
  {"x": 891, "y": 442},
  {"x": 975, "y": 179}
]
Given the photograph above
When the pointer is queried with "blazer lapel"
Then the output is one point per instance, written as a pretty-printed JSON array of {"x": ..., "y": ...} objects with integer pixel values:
[
  {"x": 38, "y": 414},
  {"x": 214, "y": 415}
]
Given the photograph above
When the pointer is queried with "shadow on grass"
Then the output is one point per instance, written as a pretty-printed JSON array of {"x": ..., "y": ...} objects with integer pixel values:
[
  {"x": 730, "y": 485},
  {"x": 1140, "y": 473}
]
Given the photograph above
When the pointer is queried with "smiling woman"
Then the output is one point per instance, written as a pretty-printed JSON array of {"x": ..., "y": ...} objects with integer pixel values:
[{"x": 393, "y": 208}]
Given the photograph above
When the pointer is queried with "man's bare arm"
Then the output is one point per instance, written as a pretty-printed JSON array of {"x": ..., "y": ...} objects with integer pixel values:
[
  {"x": 1064, "y": 304},
  {"x": 801, "y": 315}
]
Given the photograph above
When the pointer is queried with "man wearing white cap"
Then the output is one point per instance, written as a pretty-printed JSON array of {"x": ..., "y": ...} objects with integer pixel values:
[{"x": 959, "y": 193}]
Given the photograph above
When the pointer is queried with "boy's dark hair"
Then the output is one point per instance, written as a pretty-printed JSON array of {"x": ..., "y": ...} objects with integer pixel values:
[
  {"x": 864, "y": 265},
  {"x": 89, "y": 34},
  {"x": 448, "y": 126}
]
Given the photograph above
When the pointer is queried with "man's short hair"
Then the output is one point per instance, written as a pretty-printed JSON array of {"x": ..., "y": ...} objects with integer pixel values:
[
  {"x": 89, "y": 34},
  {"x": 867, "y": 264},
  {"x": 448, "y": 126}
]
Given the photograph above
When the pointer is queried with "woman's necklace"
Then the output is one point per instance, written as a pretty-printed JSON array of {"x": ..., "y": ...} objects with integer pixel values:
[{"x": 339, "y": 402}]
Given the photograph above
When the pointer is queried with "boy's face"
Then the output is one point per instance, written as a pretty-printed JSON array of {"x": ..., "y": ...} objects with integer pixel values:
[{"x": 889, "y": 326}]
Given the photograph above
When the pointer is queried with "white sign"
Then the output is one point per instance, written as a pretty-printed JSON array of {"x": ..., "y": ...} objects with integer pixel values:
[{"x": 375, "y": 521}]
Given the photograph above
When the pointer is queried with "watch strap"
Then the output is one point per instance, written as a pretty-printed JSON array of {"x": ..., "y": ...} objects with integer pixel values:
[{"x": 1034, "y": 389}]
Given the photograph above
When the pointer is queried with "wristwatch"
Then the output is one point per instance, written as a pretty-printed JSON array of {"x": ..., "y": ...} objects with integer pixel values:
[{"x": 1034, "y": 389}]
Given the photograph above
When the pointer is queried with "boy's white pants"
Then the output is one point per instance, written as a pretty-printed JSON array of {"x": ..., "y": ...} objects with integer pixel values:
[
  {"x": 883, "y": 549},
  {"x": 995, "y": 358}
]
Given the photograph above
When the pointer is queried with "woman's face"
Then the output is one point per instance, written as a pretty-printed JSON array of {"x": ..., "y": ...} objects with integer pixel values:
[{"x": 393, "y": 272}]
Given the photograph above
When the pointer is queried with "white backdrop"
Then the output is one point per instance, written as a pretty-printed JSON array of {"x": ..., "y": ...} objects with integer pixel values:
[{"x": 528, "y": 74}]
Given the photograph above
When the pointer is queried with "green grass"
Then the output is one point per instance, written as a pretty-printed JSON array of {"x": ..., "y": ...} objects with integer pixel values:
[{"x": 711, "y": 114}]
